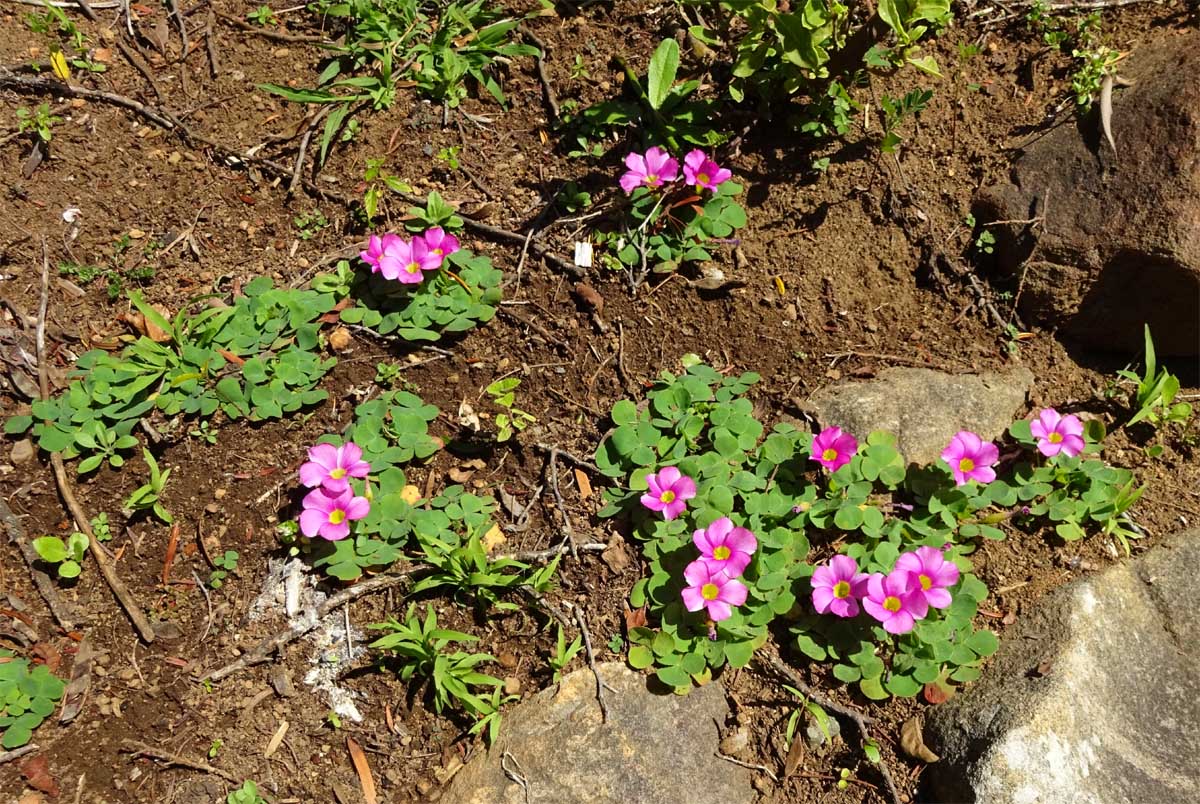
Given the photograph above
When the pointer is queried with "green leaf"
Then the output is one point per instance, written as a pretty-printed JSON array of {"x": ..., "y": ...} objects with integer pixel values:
[
  {"x": 51, "y": 549},
  {"x": 873, "y": 688},
  {"x": 847, "y": 673},
  {"x": 663, "y": 66},
  {"x": 739, "y": 653},
  {"x": 902, "y": 686},
  {"x": 624, "y": 412},
  {"x": 674, "y": 676},
  {"x": 848, "y": 517},
  {"x": 984, "y": 643},
  {"x": 640, "y": 657},
  {"x": 15, "y": 425}
]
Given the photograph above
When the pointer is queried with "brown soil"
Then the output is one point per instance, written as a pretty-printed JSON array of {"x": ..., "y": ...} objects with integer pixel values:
[{"x": 853, "y": 250}]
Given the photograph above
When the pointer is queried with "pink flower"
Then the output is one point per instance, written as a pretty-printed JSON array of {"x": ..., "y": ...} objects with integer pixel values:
[
  {"x": 703, "y": 173},
  {"x": 893, "y": 601},
  {"x": 724, "y": 547},
  {"x": 373, "y": 253},
  {"x": 669, "y": 492},
  {"x": 970, "y": 458},
  {"x": 439, "y": 243},
  {"x": 932, "y": 574},
  {"x": 407, "y": 261},
  {"x": 838, "y": 586},
  {"x": 650, "y": 170},
  {"x": 329, "y": 466},
  {"x": 1057, "y": 433},
  {"x": 712, "y": 588},
  {"x": 833, "y": 449},
  {"x": 329, "y": 515}
]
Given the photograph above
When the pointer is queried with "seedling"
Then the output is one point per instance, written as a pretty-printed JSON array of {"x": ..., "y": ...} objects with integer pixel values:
[
  {"x": 1154, "y": 399},
  {"x": 449, "y": 157},
  {"x": 67, "y": 555},
  {"x": 310, "y": 224},
  {"x": 377, "y": 180},
  {"x": 388, "y": 374},
  {"x": 419, "y": 649},
  {"x": 263, "y": 16},
  {"x": 100, "y": 527},
  {"x": 896, "y": 110},
  {"x": 515, "y": 420},
  {"x": 147, "y": 497},
  {"x": 27, "y": 697},
  {"x": 225, "y": 564},
  {"x": 215, "y": 748},
  {"x": 246, "y": 794},
  {"x": 205, "y": 431},
  {"x": 564, "y": 653},
  {"x": 39, "y": 122}
]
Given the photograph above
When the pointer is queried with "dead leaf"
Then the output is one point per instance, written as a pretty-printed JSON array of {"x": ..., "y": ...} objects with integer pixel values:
[
  {"x": 913, "y": 743},
  {"x": 340, "y": 339},
  {"x": 467, "y": 416},
  {"x": 511, "y": 504},
  {"x": 590, "y": 297},
  {"x": 36, "y": 155},
  {"x": 49, "y": 655},
  {"x": 937, "y": 693},
  {"x": 410, "y": 494},
  {"x": 616, "y": 555},
  {"x": 363, "y": 770},
  {"x": 585, "y": 485},
  {"x": 36, "y": 771},
  {"x": 493, "y": 538},
  {"x": 460, "y": 475},
  {"x": 32, "y": 798},
  {"x": 169, "y": 558},
  {"x": 81, "y": 680},
  {"x": 634, "y": 618},
  {"x": 795, "y": 756},
  {"x": 159, "y": 35}
]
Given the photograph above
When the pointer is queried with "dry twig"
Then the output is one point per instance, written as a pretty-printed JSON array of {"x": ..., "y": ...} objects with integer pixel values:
[
  {"x": 17, "y": 753},
  {"x": 591, "y": 657},
  {"x": 45, "y": 586}
]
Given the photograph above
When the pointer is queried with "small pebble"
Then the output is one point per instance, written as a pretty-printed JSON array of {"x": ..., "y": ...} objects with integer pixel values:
[{"x": 512, "y": 685}]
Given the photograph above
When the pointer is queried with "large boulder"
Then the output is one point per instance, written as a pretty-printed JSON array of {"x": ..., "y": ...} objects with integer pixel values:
[
  {"x": 654, "y": 749},
  {"x": 924, "y": 408},
  {"x": 1119, "y": 243},
  {"x": 1094, "y": 700}
]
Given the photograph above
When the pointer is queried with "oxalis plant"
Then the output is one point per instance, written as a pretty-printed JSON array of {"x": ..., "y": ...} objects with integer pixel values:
[
  {"x": 418, "y": 288},
  {"x": 673, "y": 215},
  {"x": 827, "y": 542}
]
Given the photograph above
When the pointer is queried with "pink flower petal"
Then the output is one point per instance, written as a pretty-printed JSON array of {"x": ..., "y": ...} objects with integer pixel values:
[
  {"x": 719, "y": 610},
  {"x": 697, "y": 573},
  {"x": 844, "y": 607},
  {"x": 741, "y": 540},
  {"x": 822, "y": 598},
  {"x": 685, "y": 488},
  {"x": 667, "y": 476},
  {"x": 311, "y": 521},
  {"x": 357, "y": 508},
  {"x": 653, "y": 502},
  {"x": 938, "y": 598},
  {"x": 692, "y": 599},
  {"x": 311, "y": 474},
  {"x": 900, "y": 622}
]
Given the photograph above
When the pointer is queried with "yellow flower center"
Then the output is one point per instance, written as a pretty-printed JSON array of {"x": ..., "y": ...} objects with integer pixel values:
[
  {"x": 804, "y": 506},
  {"x": 841, "y": 590},
  {"x": 709, "y": 591},
  {"x": 413, "y": 268},
  {"x": 829, "y": 454},
  {"x": 438, "y": 252},
  {"x": 1054, "y": 438},
  {"x": 721, "y": 553},
  {"x": 891, "y": 603},
  {"x": 966, "y": 465},
  {"x": 702, "y": 178},
  {"x": 651, "y": 179},
  {"x": 667, "y": 497},
  {"x": 926, "y": 581},
  {"x": 337, "y": 516},
  {"x": 338, "y": 474}
]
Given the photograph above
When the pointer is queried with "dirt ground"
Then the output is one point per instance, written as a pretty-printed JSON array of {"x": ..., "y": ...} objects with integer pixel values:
[{"x": 838, "y": 280}]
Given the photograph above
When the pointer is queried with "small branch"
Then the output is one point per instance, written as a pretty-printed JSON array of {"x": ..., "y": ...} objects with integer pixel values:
[
  {"x": 119, "y": 590},
  {"x": 751, "y": 766},
  {"x": 144, "y": 750},
  {"x": 267, "y": 33},
  {"x": 303, "y": 152},
  {"x": 859, "y": 719},
  {"x": 568, "y": 530},
  {"x": 562, "y": 453},
  {"x": 591, "y": 657},
  {"x": 17, "y": 753},
  {"x": 540, "y": 63}
]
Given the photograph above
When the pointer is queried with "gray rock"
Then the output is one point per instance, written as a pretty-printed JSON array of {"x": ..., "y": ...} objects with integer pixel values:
[
  {"x": 654, "y": 749},
  {"x": 1120, "y": 243},
  {"x": 924, "y": 408},
  {"x": 1095, "y": 699},
  {"x": 22, "y": 451}
]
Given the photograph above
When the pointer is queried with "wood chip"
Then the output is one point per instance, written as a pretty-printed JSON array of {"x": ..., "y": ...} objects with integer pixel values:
[
  {"x": 585, "y": 485},
  {"x": 276, "y": 739},
  {"x": 81, "y": 680},
  {"x": 363, "y": 770}
]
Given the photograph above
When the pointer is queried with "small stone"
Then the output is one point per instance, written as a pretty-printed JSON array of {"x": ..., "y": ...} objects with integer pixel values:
[
  {"x": 281, "y": 53},
  {"x": 512, "y": 685},
  {"x": 424, "y": 786},
  {"x": 219, "y": 494},
  {"x": 815, "y": 737},
  {"x": 22, "y": 451},
  {"x": 736, "y": 743},
  {"x": 136, "y": 234},
  {"x": 340, "y": 339},
  {"x": 507, "y": 660},
  {"x": 212, "y": 508}
]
